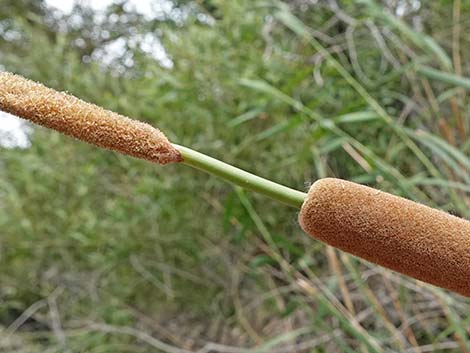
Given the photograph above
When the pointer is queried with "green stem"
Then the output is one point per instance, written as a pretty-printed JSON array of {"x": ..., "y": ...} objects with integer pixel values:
[{"x": 240, "y": 177}]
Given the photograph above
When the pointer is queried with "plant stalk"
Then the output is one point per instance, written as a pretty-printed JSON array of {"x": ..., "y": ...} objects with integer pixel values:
[{"x": 241, "y": 178}]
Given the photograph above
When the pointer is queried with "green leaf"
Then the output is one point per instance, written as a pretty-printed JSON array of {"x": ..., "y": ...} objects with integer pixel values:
[
  {"x": 279, "y": 128},
  {"x": 247, "y": 116}
]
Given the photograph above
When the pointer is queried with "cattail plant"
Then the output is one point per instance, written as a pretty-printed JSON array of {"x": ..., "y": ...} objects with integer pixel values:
[
  {"x": 402, "y": 235},
  {"x": 84, "y": 121}
]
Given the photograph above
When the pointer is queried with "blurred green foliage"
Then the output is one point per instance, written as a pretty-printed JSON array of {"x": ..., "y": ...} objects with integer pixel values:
[{"x": 100, "y": 252}]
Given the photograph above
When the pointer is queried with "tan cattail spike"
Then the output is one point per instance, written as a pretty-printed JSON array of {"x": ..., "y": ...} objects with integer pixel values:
[
  {"x": 88, "y": 122},
  {"x": 400, "y": 234}
]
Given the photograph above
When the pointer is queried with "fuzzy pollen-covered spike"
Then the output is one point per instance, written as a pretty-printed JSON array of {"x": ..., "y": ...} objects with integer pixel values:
[
  {"x": 407, "y": 237},
  {"x": 87, "y": 122}
]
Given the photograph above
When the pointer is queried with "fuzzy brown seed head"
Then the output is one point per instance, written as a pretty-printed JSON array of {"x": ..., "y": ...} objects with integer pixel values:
[
  {"x": 88, "y": 122},
  {"x": 405, "y": 236}
]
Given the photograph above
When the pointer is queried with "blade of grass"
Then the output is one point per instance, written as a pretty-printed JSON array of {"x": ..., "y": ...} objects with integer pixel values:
[
  {"x": 455, "y": 159},
  {"x": 454, "y": 319},
  {"x": 282, "y": 338},
  {"x": 356, "y": 117},
  {"x": 249, "y": 115},
  {"x": 419, "y": 39},
  {"x": 279, "y": 128},
  {"x": 441, "y": 182},
  {"x": 292, "y": 22},
  {"x": 451, "y": 79},
  {"x": 325, "y": 297},
  {"x": 374, "y": 303},
  {"x": 329, "y": 125}
]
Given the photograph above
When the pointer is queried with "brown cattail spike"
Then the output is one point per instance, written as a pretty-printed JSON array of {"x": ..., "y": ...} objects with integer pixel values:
[
  {"x": 405, "y": 236},
  {"x": 88, "y": 122}
]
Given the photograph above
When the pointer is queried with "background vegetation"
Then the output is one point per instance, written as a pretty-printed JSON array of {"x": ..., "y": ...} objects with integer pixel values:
[{"x": 103, "y": 253}]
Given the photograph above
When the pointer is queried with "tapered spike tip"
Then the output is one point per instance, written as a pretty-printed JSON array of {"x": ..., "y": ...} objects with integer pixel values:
[{"x": 73, "y": 117}]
